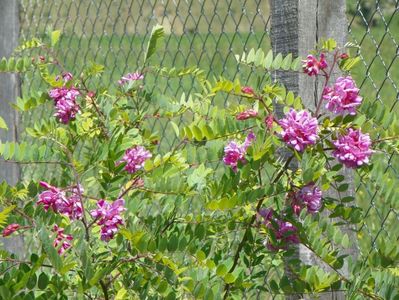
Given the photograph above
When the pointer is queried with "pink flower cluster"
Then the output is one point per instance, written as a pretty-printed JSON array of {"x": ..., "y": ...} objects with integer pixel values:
[
  {"x": 312, "y": 66},
  {"x": 135, "y": 158},
  {"x": 299, "y": 129},
  {"x": 131, "y": 77},
  {"x": 65, "y": 101},
  {"x": 60, "y": 202},
  {"x": 343, "y": 96},
  {"x": 108, "y": 217},
  {"x": 62, "y": 240},
  {"x": 284, "y": 232},
  {"x": 249, "y": 113},
  {"x": 353, "y": 148},
  {"x": 308, "y": 196},
  {"x": 247, "y": 90},
  {"x": 10, "y": 229},
  {"x": 235, "y": 152}
]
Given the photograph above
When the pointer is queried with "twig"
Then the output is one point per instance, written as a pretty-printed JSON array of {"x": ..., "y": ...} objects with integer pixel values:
[
  {"x": 35, "y": 162},
  {"x": 327, "y": 76},
  {"x": 104, "y": 288}
]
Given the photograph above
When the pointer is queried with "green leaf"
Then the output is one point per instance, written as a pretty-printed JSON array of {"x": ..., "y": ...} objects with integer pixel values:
[
  {"x": 55, "y": 37},
  {"x": 277, "y": 61},
  {"x": 221, "y": 270},
  {"x": 296, "y": 63},
  {"x": 286, "y": 64},
  {"x": 329, "y": 45},
  {"x": 175, "y": 128},
  {"x": 122, "y": 293},
  {"x": 251, "y": 56},
  {"x": 43, "y": 281},
  {"x": 4, "y": 215},
  {"x": 3, "y": 124},
  {"x": 259, "y": 57},
  {"x": 11, "y": 64},
  {"x": 156, "y": 34},
  {"x": 343, "y": 187},
  {"x": 349, "y": 63},
  {"x": 173, "y": 243},
  {"x": 3, "y": 64},
  {"x": 100, "y": 274},
  {"x": 163, "y": 286},
  {"x": 268, "y": 60},
  {"x": 198, "y": 177},
  {"x": 345, "y": 241},
  {"x": 229, "y": 278},
  {"x": 308, "y": 175},
  {"x": 197, "y": 133},
  {"x": 201, "y": 255}
]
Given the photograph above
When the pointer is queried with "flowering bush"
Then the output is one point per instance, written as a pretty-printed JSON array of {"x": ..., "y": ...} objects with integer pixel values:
[{"x": 127, "y": 215}]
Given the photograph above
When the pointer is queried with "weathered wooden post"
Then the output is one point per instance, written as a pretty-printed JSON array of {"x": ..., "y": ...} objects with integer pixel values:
[
  {"x": 296, "y": 27},
  {"x": 9, "y": 90}
]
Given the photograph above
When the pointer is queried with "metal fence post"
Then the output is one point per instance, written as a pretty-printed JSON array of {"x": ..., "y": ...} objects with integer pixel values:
[
  {"x": 9, "y": 90},
  {"x": 296, "y": 26}
]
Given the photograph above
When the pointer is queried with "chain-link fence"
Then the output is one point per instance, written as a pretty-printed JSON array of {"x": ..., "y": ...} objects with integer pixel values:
[
  {"x": 373, "y": 26},
  {"x": 113, "y": 33},
  {"x": 208, "y": 34}
]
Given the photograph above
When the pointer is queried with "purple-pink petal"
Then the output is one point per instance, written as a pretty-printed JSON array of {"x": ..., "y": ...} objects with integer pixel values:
[
  {"x": 108, "y": 217},
  {"x": 299, "y": 129},
  {"x": 353, "y": 149},
  {"x": 135, "y": 158},
  {"x": 343, "y": 97}
]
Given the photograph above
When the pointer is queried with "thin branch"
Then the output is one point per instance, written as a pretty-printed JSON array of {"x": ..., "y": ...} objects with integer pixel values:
[
  {"x": 104, "y": 288},
  {"x": 35, "y": 162}
]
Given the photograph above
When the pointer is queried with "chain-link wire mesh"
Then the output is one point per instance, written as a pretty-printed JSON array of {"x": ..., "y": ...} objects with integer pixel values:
[
  {"x": 373, "y": 26},
  {"x": 208, "y": 34},
  {"x": 113, "y": 33}
]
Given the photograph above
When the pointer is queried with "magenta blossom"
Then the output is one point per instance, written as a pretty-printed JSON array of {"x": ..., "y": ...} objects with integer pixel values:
[
  {"x": 308, "y": 196},
  {"x": 269, "y": 122},
  {"x": 247, "y": 90},
  {"x": 61, "y": 239},
  {"x": 63, "y": 93},
  {"x": 266, "y": 215},
  {"x": 235, "y": 152},
  {"x": 249, "y": 113},
  {"x": 66, "y": 110},
  {"x": 67, "y": 77},
  {"x": 343, "y": 96},
  {"x": 284, "y": 232},
  {"x": 135, "y": 158},
  {"x": 131, "y": 77},
  {"x": 312, "y": 66},
  {"x": 66, "y": 202},
  {"x": 10, "y": 229},
  {"x": 299, "y": 129},
  {"x": 108, "y": 216},
  {"x": 353, "y": 149},
  {"x": 65, "y": 103}
]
